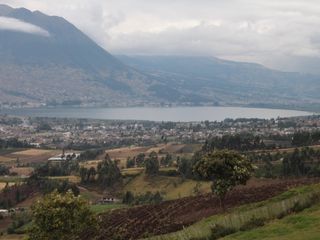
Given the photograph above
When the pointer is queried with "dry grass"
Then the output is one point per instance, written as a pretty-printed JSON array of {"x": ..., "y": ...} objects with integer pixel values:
[
  {"x": 13, "y": 237},
  {"x": 73, "y": 179},
  {"x": 126, "y": 152},
  {"x": 6, "y": 159},
  {"x": 89, "y": 164},
  {"x": 3, "y": 184},
  {"x": 32, "y": 152},
  {"x": 22, "y": 171}
]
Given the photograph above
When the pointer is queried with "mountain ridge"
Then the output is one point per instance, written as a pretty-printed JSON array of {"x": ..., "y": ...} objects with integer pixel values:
[{"x": 66, "y": 67}]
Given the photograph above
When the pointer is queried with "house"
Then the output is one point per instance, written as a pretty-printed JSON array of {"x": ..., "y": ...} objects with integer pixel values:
[
  {"x": 64, "y": 157},
  {"x": 4, "y": 212}
]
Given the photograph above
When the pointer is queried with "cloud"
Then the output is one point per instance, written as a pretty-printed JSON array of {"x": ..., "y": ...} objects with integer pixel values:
[
  {"x": 12, "y": 24},
  {"x": 280, "y": 34}
]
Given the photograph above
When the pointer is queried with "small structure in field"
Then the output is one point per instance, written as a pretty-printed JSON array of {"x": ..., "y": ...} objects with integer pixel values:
[
  {"x": 108, "y": 200},
  {"x": 64, "y": 157},
  {"x": 4, "y": 212}
]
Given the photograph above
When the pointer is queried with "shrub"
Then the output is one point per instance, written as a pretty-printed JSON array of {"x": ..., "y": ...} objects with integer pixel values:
[
  {"x": 253, "y": 223},
  {"x": 219, "y": 231}
]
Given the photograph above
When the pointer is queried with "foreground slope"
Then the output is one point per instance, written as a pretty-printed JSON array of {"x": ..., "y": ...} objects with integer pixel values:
[
  {"x": 304, "y": 225},
  {"x": 171, "y": 216}
]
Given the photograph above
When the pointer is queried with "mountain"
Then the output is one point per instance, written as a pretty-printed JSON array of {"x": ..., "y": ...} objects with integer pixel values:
[
  {"x": 45, "y": 60},
  {"x": 56, "y": 63},
  {"x": 231, "y": 83}
]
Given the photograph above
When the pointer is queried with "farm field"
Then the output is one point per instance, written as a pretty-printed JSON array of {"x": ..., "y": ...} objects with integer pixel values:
[
  {"x": 26, "y": 156},
  {"x": 169, "y": 187},
  {"x": 171, "y": 216},
  {"x": 73, "y": 179},
  {"x": 101, "y": 208},
  {"x": 175, "y": 149}
]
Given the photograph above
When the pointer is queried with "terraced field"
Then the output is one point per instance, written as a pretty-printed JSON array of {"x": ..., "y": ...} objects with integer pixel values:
[{"x": 171, "y": 216}]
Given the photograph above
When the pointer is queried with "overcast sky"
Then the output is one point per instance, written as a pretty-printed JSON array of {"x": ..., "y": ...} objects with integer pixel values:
[{"x": 283, "y": 34}]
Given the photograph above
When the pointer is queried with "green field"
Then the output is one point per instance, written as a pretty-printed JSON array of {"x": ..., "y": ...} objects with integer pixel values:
[
  {"x": 304, "y": 225},
  {"x": 169, "y": 187},
  {"x": 100, "y": 208}
]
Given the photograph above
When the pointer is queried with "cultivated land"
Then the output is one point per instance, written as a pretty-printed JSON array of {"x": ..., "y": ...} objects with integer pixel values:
[
  {"x": 188, "y": 208},
  {"x": 171, "y": 216}
]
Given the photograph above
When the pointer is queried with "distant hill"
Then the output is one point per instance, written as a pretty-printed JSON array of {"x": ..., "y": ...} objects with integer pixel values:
[
  {"x": 231, "y": 83},
  {"x": 45, "y": 60}
]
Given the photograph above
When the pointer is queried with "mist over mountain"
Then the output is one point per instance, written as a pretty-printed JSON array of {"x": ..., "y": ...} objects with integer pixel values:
[{"x": 45, "y": 60}]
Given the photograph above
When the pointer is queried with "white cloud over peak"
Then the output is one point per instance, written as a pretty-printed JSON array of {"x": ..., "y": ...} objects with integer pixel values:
[
  {"x": 12, "y": 24},
  {"x": 280, "y": 34}
]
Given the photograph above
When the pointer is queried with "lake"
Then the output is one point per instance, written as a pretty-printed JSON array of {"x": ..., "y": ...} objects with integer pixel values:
[{"x": 176, "y": 114}]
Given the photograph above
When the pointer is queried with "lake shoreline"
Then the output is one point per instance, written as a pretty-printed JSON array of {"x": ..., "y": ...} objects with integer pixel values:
[{"x": 166, "y": 114}]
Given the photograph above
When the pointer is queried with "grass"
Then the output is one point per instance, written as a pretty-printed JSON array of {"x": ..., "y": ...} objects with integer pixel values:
[
  {"x": 71, "y": 178},
  {"x": 10, "y": 150},
  {"x": 12, "y": 237},
  {"x": 22, "y": 171},
  {"x": 100, "y": 208},
  {"x": 131, "y": 171},
  {"x": 170, "y": 187},
  {"x": 304, "y": 225},
  {"x": 32, "y": 152},
  {"x": 11, "y": 179},
  {"x": 238, "y": 217}
]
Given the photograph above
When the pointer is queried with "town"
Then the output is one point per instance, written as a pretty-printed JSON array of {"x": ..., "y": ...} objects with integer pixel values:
[{"x": 80, "y": 134}]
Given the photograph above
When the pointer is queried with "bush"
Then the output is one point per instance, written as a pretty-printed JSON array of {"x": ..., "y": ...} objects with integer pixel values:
[
  {"x": 253, "y": 223},
  {"x": 219, "y": 231}
]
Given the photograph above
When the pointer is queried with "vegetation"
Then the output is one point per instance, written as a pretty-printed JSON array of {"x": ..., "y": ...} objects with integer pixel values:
[
  {"x": 13, "y": 143},
  {"x": 147, "y": 198},
  {"x": 226, "y": 169},
  {"x": 254, "y": 216},
  {"x": 239, "y": 142},
  {"x": 61, "y": 216},
  {"x": 304, "y": 225},
  {"x": 152, "y": 164}
]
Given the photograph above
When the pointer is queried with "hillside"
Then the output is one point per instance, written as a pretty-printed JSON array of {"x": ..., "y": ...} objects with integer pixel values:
[
  {"x": 46, "y": 60},
  {"x": 223, "y": 82}
]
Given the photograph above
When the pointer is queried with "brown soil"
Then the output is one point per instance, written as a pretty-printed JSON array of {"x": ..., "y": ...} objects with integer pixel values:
[{"x": 171, "y": 216}]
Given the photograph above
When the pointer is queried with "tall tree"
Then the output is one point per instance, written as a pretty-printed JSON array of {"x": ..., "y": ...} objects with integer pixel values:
[
  {"x": 226, "y": 169},
  {"x": 152, "y": 164}
]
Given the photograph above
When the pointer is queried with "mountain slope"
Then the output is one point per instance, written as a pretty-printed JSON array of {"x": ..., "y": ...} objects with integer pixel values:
[
  {"x": 61, "y": 64},
  {"x": 228, "y": 82},
  {"x": 47, "y": 60}
]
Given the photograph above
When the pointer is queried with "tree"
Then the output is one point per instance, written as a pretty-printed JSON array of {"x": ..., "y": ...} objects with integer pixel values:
[
  {"x": 128, "y": 198},
  {"x": 60, "y": 217},
  {"x": 91, "y": 174},
  {"x": 226, "y": 169},
  {"x": 167, "y": 160},
  {"x": 130, "y": 162},
  {"x": 108, "y": 172},
  {"x": 83, "y": 174},
  {"x": 152, "y": 164},
  {"x": 140, "y": 159}
]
